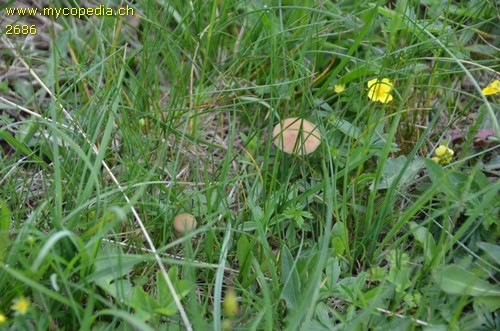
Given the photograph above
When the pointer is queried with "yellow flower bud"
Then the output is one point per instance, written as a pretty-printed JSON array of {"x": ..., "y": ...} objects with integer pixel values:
[
  {"x": 444, "y": 155},
  {"x": 227, "y": 325},
  {"x": 441, "y": 150},
  {"x": 339, "y": 88},
  {"x": 230, "y": 303}
]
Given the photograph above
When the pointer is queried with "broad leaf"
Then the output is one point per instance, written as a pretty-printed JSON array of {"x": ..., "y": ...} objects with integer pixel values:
[
  {"x": 425, "y": 239},
  {"x": 165, "y": 300},
  {"x": 111, "y": 264},
  {"x": 393, "y": 168},
  {"x": 491, "y": 250},
  {"x": 455, "y": 279},
  {"x": 110, "y": 268},
  {"x": 144, "y": 305},
  {"x": 289, "y": 278},
  {"x": 491, "y": 303},
  {"x": 399, "y": 271}
]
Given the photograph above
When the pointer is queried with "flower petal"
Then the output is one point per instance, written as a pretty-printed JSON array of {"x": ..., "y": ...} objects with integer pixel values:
[
  {"x": 386, "y": 98},
  {"x": 371, "y": 82},
  {"x": 387, "y": 84},
  {"x": 493, "y": 88}
]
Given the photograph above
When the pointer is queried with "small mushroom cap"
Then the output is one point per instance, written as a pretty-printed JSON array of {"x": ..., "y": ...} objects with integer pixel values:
[
  {"x": 296, "y": 136},
  {"x": 184, "y": 222}
]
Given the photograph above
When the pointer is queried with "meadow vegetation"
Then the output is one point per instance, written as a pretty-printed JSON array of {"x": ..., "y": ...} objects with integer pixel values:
[{"x": 111, "y": 126}]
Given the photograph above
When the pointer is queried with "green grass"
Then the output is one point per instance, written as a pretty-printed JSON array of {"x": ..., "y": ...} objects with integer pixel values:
[{"x": 111, "y": 126}]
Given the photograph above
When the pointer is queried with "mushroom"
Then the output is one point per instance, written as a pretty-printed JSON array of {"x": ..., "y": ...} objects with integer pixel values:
[
  {"x": 184, "y": 222},
  {"x": 296, "y": 136}
]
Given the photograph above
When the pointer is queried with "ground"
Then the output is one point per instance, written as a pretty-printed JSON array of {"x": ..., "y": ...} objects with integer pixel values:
[{"x": 112, "y": 125}]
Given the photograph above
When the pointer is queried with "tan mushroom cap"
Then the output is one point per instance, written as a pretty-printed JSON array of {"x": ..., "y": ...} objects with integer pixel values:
[
  {"x": 184, "y": 222},
  {"x": 296, "y": 136}
]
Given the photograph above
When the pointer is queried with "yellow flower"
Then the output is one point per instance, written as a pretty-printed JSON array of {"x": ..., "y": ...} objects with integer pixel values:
[
  {"x": 339, "y": 88},
  {"x": 493, "y": 88},
  {"x": 21, "y": 305},
  {"x": 3, "y": 319},
  {"x": 380, "y": 90},
  {"x": 444, "y": 154}
]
